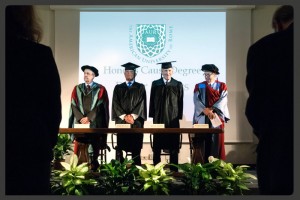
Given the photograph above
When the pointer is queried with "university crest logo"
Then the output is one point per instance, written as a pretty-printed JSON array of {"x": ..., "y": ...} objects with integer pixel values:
[{"x": 150, "y": 39}]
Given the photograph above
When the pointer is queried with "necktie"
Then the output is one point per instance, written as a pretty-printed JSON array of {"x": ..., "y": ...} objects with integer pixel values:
[
  {"x": 88, "y": 88},
  {"x": 129, "y": 84},
  {"x": 166, "y": 82}
]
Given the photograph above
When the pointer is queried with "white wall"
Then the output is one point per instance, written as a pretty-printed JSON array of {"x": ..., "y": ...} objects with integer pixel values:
[{"x": 256, "y": 22}]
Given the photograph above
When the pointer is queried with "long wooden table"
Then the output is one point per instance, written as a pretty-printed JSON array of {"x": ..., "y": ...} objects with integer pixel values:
[
  {"x": 140, "y": 130},
  {"x": 134, "y": 130}
]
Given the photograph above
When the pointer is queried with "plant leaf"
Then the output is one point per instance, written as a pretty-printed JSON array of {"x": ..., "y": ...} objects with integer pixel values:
[
  {"x": 73, "y": 161},
  {"x": 63, "y": 173},
  {"x": 147, "y": 185},
  {"x": 84, "y": 170},
  {"x": 159, "y": 166},
  {"x": 77, "y": 182},
  {"x": 67, "y": 183},
  {"x": 78, "y": 192},
  {"x": 250, "y": 176},
  {"x": 149, "y": 167},
  {"x": 81, "y": 177},
  {"x": 70, "y": 189},
  {"x": 155, "y": 177},
  {"x": 124, "y": 189},
  {"x": 140, "y": 168},
  {"x": 165, "y": 190},
  {"x": 66, "y": 165}
]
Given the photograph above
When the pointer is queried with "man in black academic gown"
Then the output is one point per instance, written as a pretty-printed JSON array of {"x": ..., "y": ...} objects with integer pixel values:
[
  {"x": 166, "y": 107},
  {"x": 129, "y": 107}
]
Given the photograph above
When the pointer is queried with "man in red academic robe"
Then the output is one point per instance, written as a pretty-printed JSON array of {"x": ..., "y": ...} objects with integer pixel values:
[
  {"x": 89, "y": 105},
  {"x": 210, "y": 98}
]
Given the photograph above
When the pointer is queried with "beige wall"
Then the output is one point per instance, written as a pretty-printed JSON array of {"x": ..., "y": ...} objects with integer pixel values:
[
  {"x": 255, "y": 26},
  {"x": 46, "y": 17},
  {"x": 262, "y": 21}
]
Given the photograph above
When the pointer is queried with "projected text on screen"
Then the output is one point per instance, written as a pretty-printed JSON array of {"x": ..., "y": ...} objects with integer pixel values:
[{"x": 110, "y": 39}]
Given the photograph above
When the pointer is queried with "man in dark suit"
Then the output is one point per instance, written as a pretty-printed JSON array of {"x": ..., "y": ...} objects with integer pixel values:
[{"x": 270, "y": 104}]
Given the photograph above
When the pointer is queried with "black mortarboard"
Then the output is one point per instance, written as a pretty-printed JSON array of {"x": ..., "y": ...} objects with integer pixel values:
[
  {"x": 90, "y": 68},
  {"x": 210, "y": 68},
  {"x": 166, "y": 65},
  {"x": 130, "y": 66}
]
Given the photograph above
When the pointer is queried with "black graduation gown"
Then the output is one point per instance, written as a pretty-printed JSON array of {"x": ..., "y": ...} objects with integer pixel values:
[
  {"x": 129, "y": 100},
  {"x": 166, "y": 107}
]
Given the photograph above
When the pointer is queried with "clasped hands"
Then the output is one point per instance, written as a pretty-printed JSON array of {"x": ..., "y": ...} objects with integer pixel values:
[
  {"x": 85, "y": 120},
  {"x": 209, "y": 113},
  {"x": 129, "y": 119}
]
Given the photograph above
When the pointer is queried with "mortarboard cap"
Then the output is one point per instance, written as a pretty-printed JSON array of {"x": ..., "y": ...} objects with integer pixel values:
[
  {"x": 90, "y": 68},
  {"x": 166, "y": 65},
  {"x": 210, "y": 68},
  {"x": 130, "y": 66}
]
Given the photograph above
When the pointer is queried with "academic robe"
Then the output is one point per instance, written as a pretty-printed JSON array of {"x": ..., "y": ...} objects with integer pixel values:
[
  {"x": 94, "y": 105},
  {"x": 212, "y": 97},
  {"x": 166, "y": 107},
  {"x": 129, "y": 100}
]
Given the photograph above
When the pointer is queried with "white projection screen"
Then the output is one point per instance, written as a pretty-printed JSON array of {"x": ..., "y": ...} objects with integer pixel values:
[
  {"x": 109, "y": 36},
  {"x": 110, "y": 39}
]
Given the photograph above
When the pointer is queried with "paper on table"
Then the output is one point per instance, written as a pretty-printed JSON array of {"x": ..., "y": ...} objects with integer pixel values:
[
  {"x": 216, "y": 121},
  {"x": 81, "y": 125},
  {"x": 154, "y": 126},
  {"x": 200, "y": 126},
  {"x": 122, "y": 126}
]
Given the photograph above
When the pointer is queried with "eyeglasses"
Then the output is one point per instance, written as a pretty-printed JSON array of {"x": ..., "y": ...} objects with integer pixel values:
[{"x": 207, "y": 74}]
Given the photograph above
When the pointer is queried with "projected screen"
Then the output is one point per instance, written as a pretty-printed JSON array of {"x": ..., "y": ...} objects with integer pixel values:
[{"x": 110, "y": 39}]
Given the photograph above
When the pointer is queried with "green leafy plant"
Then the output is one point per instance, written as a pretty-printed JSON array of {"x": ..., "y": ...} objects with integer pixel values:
[
  {"x": 155, "y": 178},
  {"x": 230, "y": 180},
  {"x": 74, "y": 180},
  {"x": 115, "y": 178},
  {"x": 62, "y": 147},
  {"x": 118, "y": 178},
  {"x": 197, "y": 179},
  {"x": 215, "y": 177}
]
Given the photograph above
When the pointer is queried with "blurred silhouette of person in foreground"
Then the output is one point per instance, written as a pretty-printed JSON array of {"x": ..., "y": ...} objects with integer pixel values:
[
  {"x": 33, "y": 105},
  {"x": 269, "y": 109}
]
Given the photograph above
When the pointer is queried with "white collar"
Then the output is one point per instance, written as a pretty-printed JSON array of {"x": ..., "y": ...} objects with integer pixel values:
[
  {"x": 165, "y": 80},
  {"x": 89, "y": 84}
]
